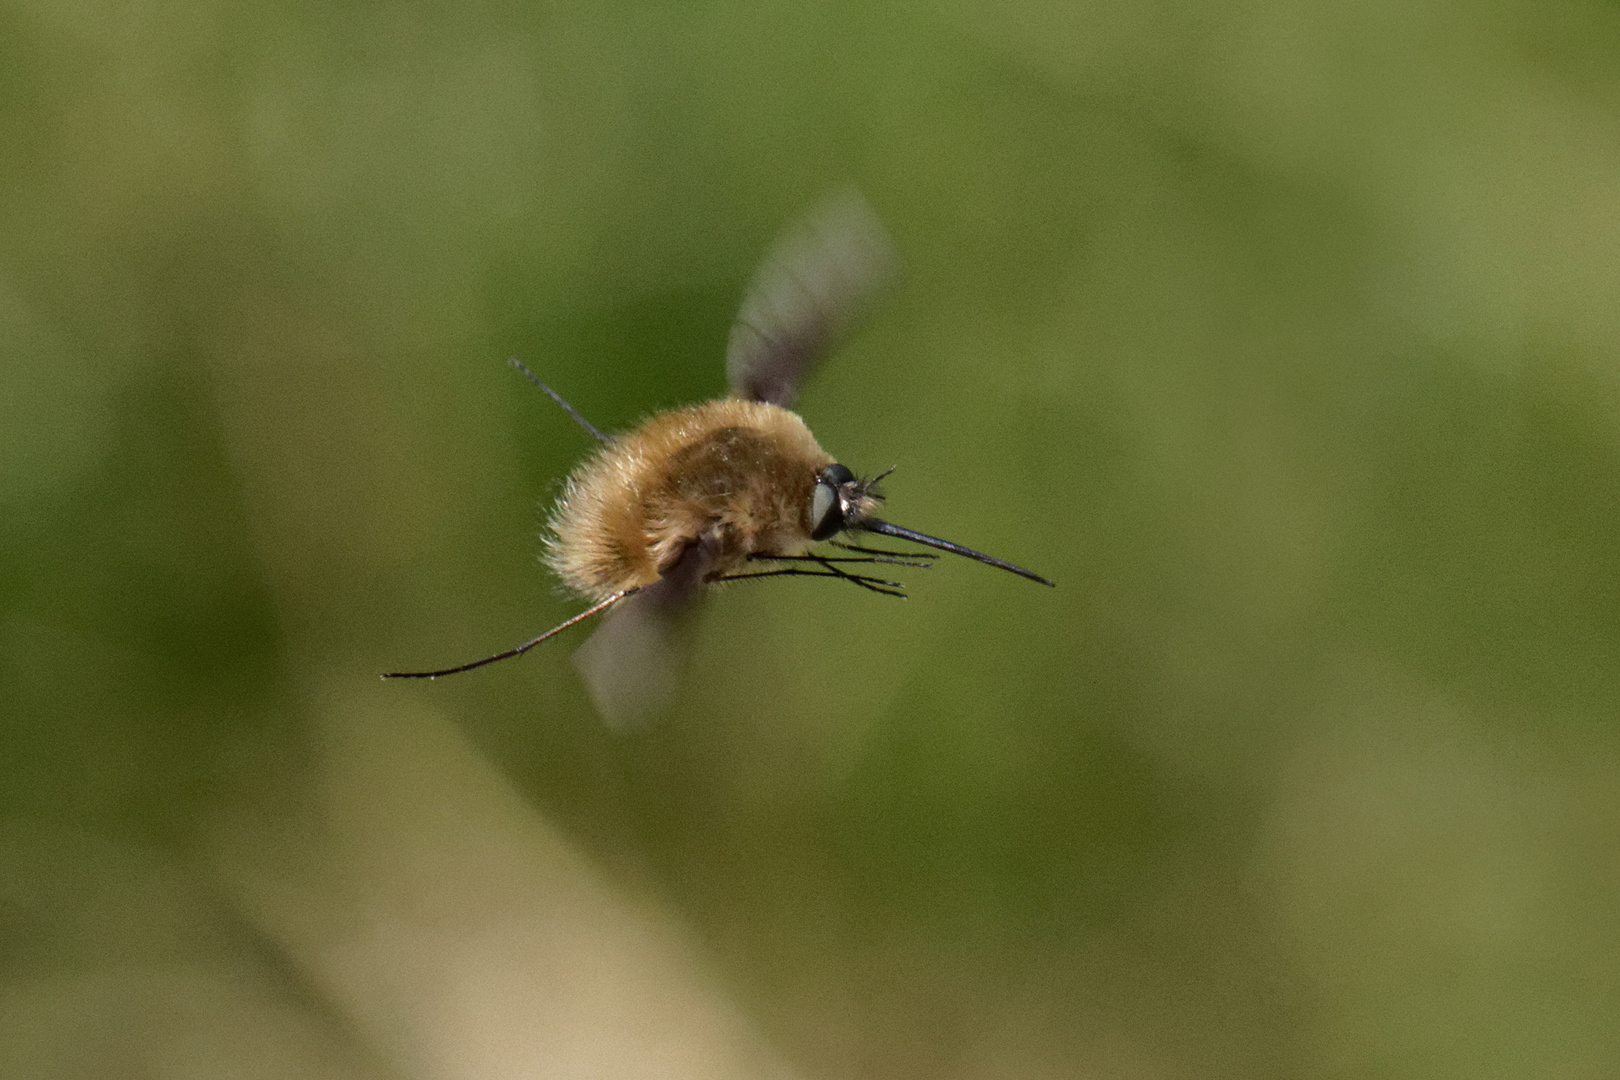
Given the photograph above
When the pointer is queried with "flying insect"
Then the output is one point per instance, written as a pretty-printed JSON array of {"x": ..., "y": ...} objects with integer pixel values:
[{"x": 729, "y": 490}]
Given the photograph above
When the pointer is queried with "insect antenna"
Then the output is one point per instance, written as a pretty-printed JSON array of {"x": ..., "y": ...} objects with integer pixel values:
[
  {"x": 558, "y": 398},
  {"x": 885, "y": 529},
  {"x": 521, "y": 649},
  {"x": 868, "y": 485}
]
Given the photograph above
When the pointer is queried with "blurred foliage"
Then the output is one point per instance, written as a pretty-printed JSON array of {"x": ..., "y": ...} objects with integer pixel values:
[{"x": 1282, "y": 335}]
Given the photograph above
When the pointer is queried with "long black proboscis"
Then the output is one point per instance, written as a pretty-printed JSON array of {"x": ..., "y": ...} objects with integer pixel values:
[
  {"x": 886, "y": 529},
  {"x": 521, "y": 649}
]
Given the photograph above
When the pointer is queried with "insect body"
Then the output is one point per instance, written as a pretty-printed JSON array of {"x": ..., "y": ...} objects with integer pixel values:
[
  {"x": 741, "y": 473},
  {"x": 732, "y": 489}
]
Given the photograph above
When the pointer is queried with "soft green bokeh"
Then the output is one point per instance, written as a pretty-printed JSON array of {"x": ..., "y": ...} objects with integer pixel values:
[{"x": 1284, "y": 336}]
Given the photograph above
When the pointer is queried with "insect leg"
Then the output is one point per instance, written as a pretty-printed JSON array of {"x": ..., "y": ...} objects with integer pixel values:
[
  {"x": 792, "y": 572},
  {"x": 899, "y": 559},
  {"x": 874, "y": 584},
  {"x": 521, "y": 649},
  {"x": 569, "y": 409},
  {"x": 879, "y": 551},
  {"x": 864, "y": 582}
]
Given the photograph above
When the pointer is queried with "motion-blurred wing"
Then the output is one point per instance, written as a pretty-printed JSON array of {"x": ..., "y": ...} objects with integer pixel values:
[
  {"x": 821, "y": 275},
  {"x": 632, "y": 664}
]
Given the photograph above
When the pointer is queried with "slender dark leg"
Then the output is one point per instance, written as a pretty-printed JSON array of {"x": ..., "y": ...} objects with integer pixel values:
[
  {"x": 874, "y": 584},
  {"x": 899, "y": 560},
  {"x": 569, "y": 409},
  {"x": 864, "y": 582},
  {"x": 793, "y": 572},
  {"x": 929, "y": 555},
  {"x": 521, "y": 649}
]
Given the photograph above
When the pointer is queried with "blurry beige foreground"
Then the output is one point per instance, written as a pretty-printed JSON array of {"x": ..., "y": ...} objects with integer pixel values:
[
  {"x": 459, "y": 932},
  {"x": 434, "y": 926}
]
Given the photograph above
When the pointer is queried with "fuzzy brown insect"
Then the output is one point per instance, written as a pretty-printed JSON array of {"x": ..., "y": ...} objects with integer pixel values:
[
  {"x": 741, "y": 473},
  {"x": 713, "y": 492}
]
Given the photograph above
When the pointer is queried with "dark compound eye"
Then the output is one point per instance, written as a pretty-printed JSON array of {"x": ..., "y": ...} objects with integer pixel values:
[
  {"x": 827, "y": 504},
  {"x": 836, "y": 475}
]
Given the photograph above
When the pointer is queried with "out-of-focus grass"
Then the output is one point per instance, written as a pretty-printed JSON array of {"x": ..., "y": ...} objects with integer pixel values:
[{"x": 1282, "y": 335}]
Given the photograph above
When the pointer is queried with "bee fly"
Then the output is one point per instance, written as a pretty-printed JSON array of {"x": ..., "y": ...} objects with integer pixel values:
[{"x": 730, "y": 490}]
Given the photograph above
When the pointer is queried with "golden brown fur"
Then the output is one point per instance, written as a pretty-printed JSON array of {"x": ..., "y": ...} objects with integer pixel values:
[{"x": 744, "y": 469}]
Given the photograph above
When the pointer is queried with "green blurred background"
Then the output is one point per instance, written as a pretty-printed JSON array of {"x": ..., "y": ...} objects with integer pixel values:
[{"x": 1283, "y": 335}]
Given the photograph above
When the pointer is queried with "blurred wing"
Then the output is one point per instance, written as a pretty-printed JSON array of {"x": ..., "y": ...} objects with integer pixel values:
[
  {"x": 632, "y": 664},
  {"x": 821, "y": 275}
]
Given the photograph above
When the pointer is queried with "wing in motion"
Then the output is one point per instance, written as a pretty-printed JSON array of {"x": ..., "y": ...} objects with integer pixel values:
[
  {"x": 818, "y": 279},
  {"x": 632, "y": 664}
]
